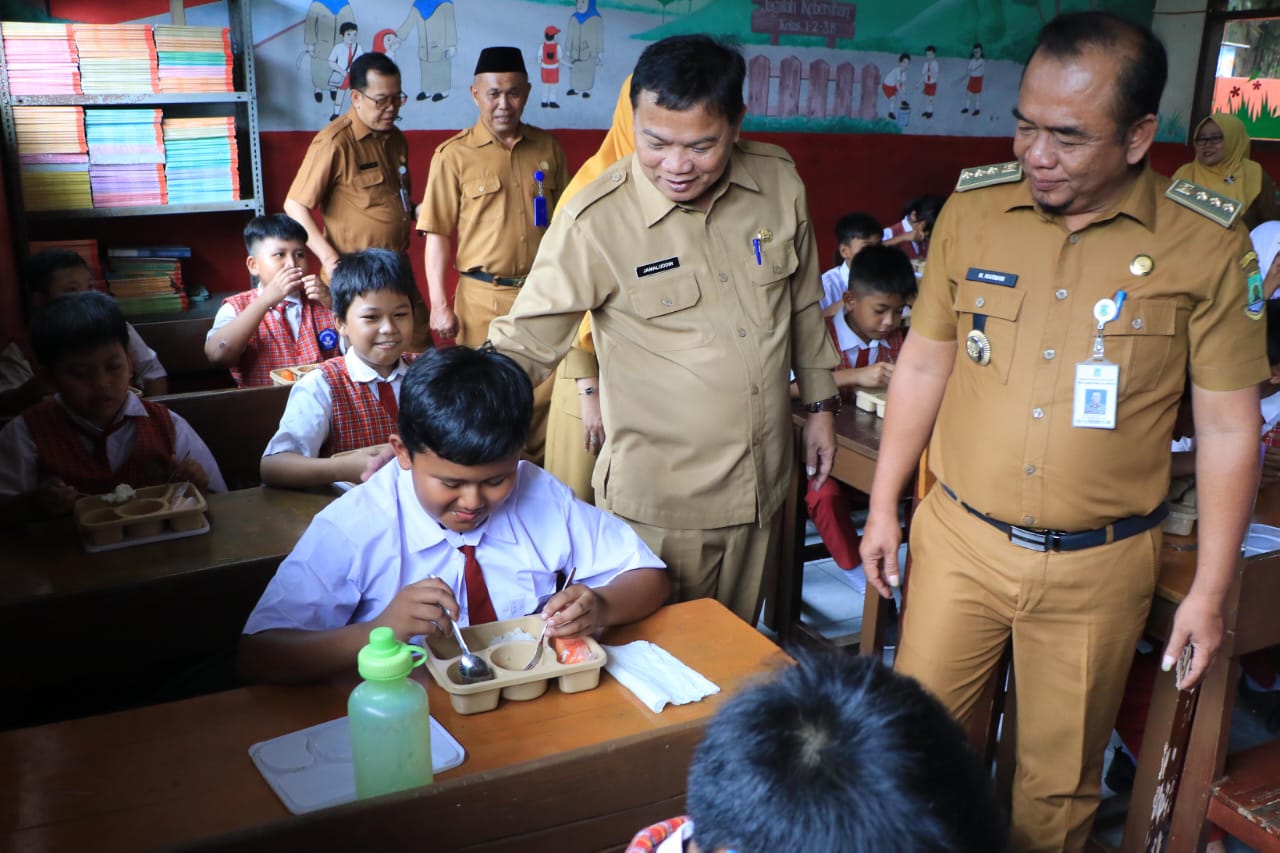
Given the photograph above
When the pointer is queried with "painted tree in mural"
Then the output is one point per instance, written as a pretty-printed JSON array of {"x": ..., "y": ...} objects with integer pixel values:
[{"x": 989, "y": 18}]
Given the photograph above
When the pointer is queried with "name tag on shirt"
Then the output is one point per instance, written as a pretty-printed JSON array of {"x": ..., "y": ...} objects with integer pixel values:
[
  {"x": 655, "y": 267},
  {"x": 364, "y": 166},
  {"x": 1004, "y": 279}
]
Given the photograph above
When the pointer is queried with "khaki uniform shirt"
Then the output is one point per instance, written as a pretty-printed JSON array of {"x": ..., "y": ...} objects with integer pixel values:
[
  {"x": 694, "y": 337},
  {"x": 352, "y": 174},
  {"x": 482, "y": 190},
  {"x": 1004, "y": 440}
]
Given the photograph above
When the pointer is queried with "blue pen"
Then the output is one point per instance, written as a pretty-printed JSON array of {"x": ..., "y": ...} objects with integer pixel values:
[
  {"x": 1120, "y": 295},
  {"x": 755, "y": 244}
]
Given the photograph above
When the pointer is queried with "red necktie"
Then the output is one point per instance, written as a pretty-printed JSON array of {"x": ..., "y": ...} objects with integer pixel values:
[
  {"x": 283, "y": 308},
  {"x": 387, "y": 399},
  {"x": 479, "y": 607},
  {"x": 863, "y": 357},
  {"x": 99, "y": 440}
]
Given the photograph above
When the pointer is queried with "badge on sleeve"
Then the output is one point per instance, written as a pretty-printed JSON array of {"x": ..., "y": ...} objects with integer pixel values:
[
  {"x": 1256, "y": 298},
  {"x": 327, "y": 338}
]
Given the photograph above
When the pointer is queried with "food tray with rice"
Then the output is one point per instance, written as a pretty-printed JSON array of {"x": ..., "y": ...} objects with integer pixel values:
[
  {"x": 290, "y": 375},
  {"x": 507, "y": 646},
  {"x": 871, "y": 400},
  {"x": 127, "y": 517}
]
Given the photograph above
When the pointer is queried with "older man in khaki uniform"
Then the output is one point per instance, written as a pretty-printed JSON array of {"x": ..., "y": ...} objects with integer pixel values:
[
  {"x": 1074, "y": 270},
  {"x": 696, "y": 259},
  {"x": 482, "y": 187},
  {"x": 357, "y": 173}
]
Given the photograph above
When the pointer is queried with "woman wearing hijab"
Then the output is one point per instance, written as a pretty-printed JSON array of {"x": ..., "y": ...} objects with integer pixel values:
[
  {"x": 1222, "y": 165},
  {"x": 584, "y": 47}
]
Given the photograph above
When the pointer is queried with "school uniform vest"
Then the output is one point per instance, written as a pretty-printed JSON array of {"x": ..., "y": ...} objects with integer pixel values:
[
  {"x": 888, "y": 351},
  {"x": 550, "y": 54},
  {"x": 272, "y": 345},
  {"x": 61, "y": 452},
  {"x": 358, "y": 419}
]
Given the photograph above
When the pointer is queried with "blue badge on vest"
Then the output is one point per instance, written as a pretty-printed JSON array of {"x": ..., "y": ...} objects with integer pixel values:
[{"x": 328, "y": 338}]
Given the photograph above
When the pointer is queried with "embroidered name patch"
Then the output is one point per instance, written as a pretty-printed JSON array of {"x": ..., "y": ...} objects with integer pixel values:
[
  {"x": 364, "y": 166},
  {"x": 1004, "y": 279},
  {"x": 655, "y": 267}
]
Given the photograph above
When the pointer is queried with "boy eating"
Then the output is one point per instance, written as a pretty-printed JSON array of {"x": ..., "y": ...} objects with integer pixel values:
[
  {"x": 349, "y": 402},
  {"x": 459, "y": 528},
  {"x": 94, "y": 434},
  {"x": 284, "y": 320}
]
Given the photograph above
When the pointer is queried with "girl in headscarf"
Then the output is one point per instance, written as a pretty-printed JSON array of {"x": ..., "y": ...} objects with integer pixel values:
[{"x": 1222, "y": 165}]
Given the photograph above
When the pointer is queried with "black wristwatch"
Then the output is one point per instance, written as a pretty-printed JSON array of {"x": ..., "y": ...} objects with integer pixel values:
[{"x": 831, "y": 404}]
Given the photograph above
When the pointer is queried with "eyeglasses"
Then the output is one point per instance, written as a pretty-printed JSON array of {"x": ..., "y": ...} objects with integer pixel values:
[
  {"x": 1208, "y": 140},
  {"x": 381, "y": 102}
]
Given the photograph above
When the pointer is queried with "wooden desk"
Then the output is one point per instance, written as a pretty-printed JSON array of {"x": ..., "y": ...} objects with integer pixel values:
[
  {"x": 565, "y": 772},
  {"x": 1250, "y": 624},
  {"x": 99, "y": 626}
]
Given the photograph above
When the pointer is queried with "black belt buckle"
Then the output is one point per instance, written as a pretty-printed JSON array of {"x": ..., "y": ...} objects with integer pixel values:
[{"x": 1033, "y": 540}]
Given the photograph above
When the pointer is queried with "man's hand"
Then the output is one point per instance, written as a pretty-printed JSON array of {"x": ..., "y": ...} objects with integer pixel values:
[
  {"x": 879, "y": 551},
  {"x": 819, "y": 447},
  {"x": 443, "y": 321},
  {"x": 330, "y": 266},
  {"x": 592, "y": 421},
  {"x": 425, "y": 607},
  {"x": 1198, "y": 623}
]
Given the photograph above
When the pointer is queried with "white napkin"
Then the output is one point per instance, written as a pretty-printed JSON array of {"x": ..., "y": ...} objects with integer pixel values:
[{"x": 655, "y": 676}]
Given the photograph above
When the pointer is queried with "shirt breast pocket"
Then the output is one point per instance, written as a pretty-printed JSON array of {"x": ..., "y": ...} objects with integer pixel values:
[
  {"x": 1000, "y": 306},
  {"x": 770, "y": 295},
  {"x": 374, "y": 186},
  {"x": 1140, "y": 341},
  {"x": 481, "y": 199},
  {"x": 667, "y": 306}
]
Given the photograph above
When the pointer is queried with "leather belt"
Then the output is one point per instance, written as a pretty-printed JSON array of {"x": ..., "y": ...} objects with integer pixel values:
[
  {"x": 1038, "y": 539},
  {"x": 503, "y": 280}
]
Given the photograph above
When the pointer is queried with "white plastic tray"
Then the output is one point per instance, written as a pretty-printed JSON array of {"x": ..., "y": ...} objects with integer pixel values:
[{"x": 312, "y": 768}]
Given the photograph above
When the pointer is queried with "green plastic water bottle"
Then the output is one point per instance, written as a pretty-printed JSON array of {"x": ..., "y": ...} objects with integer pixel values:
[{"x": 389, "y": 718}]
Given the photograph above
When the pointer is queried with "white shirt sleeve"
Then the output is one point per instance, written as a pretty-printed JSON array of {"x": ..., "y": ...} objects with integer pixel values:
[
  {"x": 313, "y": 588},
  {"x": 834, "y": 284},
  {"x": 226, "y": 313},
  {"x": 145, "y": 364},
  {"x": 304, "y": 426},
  {"x": 17, "y": 459},
  {"x": 187, "y": 442}
]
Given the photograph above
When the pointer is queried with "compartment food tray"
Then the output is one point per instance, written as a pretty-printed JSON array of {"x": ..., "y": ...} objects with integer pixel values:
[
  {"x": 145, "y": 518},
  {"x": 290, "y": 375}
]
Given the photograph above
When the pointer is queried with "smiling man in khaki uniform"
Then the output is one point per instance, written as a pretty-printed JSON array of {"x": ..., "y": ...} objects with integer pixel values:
[
  {"x": 1025, "y": 265},
  {"x": 696, "y": 259}
]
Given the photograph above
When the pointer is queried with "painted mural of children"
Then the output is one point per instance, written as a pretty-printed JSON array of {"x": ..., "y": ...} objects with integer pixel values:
[
  {"x": 895, "y": 81},
  {"x": 973, "y": 89},
  {"x": 549, "y": 62},
  {"x": 386, "y": 42},
  {"x": 584, "y": 47},
  {"x": 340, "y": 59},
  {"x": 929, "y": 79},
  {"x": 319, "y": 35}
]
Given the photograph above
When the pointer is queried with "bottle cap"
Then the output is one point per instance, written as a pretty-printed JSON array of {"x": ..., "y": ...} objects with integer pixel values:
[{"x": 386, "y": 658}]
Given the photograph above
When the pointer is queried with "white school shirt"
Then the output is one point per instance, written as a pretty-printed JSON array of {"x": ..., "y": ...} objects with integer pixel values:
[
  {"x": 835, "y": 282},
  {"x": 145, "y": 364},
  {"x": 304, "y": 426},
  {"x": 851, "y": 343},
  {"x": 19, "y": 475},
  {"x": 292, "y": 314},
  {"x": 675, "y": 842},
  {"x": 366, "y": 546}
]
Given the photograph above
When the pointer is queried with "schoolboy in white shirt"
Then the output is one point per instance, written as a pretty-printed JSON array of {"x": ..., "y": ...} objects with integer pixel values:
[{"x": 854, "y": 232}]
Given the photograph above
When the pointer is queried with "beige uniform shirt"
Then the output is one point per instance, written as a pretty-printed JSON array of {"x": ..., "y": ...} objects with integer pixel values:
[
  {"x": 1004, "y": 440},
  {"x": 484, "y": 192},
  {"x": 353, "y": 174},
  {"x": 695, "y": 338}
]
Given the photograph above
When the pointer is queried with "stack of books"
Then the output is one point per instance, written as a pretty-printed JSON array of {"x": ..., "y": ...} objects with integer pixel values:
[
  {"x": 116, "y": 59},
  {"x": 41, "y": 59},
  {"x": 194, "y": 59},
  {"x": 137, "y": 275},
  {"x": 126, "y": 157},
  {"x": 203, "y": 161},
  {"x": 87, "y": 249},
  {"x": 53, "y": 158}
]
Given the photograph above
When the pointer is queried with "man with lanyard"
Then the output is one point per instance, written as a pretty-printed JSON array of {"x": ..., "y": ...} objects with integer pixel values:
[
  {"x": 356, "y": 172},
  {"x": 494, "y": 185},
  {"x": 696, "y": 260},
  {"x": 1072, "y": 271}
]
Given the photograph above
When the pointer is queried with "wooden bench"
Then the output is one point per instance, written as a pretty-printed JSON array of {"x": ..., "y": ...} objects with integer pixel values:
[
  {"x": 179, "y": 345},
  {"x": 236, "y": 423},
  {"x": 1246, "y": 801}
]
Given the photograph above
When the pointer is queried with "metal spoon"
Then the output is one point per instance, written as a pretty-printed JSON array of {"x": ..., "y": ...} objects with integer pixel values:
[{"x": 471, "y": 668}]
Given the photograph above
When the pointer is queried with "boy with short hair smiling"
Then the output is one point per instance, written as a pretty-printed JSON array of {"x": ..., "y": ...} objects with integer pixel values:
[
  {"x": 284, "y": 320},
  {"x": 459, "y": 528},
  {"x": 94, "y": 434},
  {"x": 350, "y": 402}
]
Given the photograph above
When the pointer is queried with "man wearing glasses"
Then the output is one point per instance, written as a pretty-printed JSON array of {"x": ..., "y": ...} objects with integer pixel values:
[{"x": 356, "y": 172}]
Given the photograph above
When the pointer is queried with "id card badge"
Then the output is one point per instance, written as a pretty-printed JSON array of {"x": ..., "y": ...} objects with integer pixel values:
[{"x": 1097, "y": 387}]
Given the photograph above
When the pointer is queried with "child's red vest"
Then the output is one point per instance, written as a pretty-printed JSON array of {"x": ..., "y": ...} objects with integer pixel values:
[
  {"x": 888, "y": 351},
  {"x": 550, "y": 54},
  {"x": 358, "y": 420},
  {"x": 272, "y": 346},
  {"x": 61, "y": 451}
]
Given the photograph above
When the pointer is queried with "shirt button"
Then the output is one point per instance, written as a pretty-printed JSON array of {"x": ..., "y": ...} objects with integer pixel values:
[
  {"x": 1061, "y": 293},
  {"x": 1073, "y": 239},
  {"x": 777, "y": 268},
  {"x": 724, "y": 277},
  {"x": 1029, "y": 470},
  {"x": 755, "y": 389},
  {"x": 666, "y": 300},
  {"x": 755, "y": 442},
  {"x": 1037, "y": 413},
  {"x": 979, "y": 302},
  {"x": 1137, "y": 323},
  {"x": 615, "y": 177},
  {"x": 1049, "y": 354},
  {"x": 479, "y": 189},
  {"x": 742, "y": 333},
  {"x": 1028, "y": 519}
]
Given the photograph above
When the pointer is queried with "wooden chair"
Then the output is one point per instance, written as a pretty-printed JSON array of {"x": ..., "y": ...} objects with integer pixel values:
[{"x": 236, "y": 424}]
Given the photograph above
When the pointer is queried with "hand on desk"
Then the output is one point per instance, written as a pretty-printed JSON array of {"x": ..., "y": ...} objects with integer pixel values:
[
  {"x": 1197, "y": 622},
  {"x": 425, "y": 607},
  {"x": 872, "y": 376},
  {"x": 55, "y": 498},
  {"x": 188, "y": 470},
  {"x": 879, "y": 551}
]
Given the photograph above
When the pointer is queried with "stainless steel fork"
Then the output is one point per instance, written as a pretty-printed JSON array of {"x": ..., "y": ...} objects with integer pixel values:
[{"x": 542, "y": 638}]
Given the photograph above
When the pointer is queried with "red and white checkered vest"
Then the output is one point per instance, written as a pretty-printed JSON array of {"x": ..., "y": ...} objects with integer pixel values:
[
  {"x": 887, "y": 351},
  {"x": 272, "y": 346},
  {"x": 61, "y": 451},
  {"x": 358, "y": 418}
]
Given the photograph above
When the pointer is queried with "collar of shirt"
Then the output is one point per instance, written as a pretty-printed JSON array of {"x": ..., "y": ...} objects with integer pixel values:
[
  {"x": 359, "y": 129},
  {"x": 654, "y": 205},
  {"x": 1138, "y": 203},
  {"x": 361, "y": 371},
  {"x": 481, "y": 136},
  {"x": 847, "y": 338},
  {"x": 422, "y": 530},
  {"x": 132, "y": 408}
]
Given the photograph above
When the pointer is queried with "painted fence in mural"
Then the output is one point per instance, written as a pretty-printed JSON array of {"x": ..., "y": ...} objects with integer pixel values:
[{"x": 813, "y": 91}]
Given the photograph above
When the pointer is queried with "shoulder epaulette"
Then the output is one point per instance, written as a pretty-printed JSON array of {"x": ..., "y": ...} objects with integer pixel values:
[
  {"x": 976, "y": 177},
  {"x": 334, "y": 128},
  {"x": 452, "y": 139},
  {"x": 764, "y": 149},
  {"x": 1222, "y": 209},
  {"x": 606, "y": 182}
]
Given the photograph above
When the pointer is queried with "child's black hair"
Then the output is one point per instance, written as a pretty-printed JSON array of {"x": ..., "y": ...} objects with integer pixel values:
[
  {"x": 856, "y": 226},
  {"x": 75, "y": 322},
  {"x": 40, "y": 267},
  {"x": 882, "y": 269},
  {"x": 467, "y": 406},
  {"x": 840, "y": 754},
  {"x": 347, "y": 26},
  {"x": 905, "y": 56},
  {"x": 1273, "y": 333},
  {"x": 273, "y": 226},
  {"x": 366, "y": 272},
  {"x": 925, "y": 207}
]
